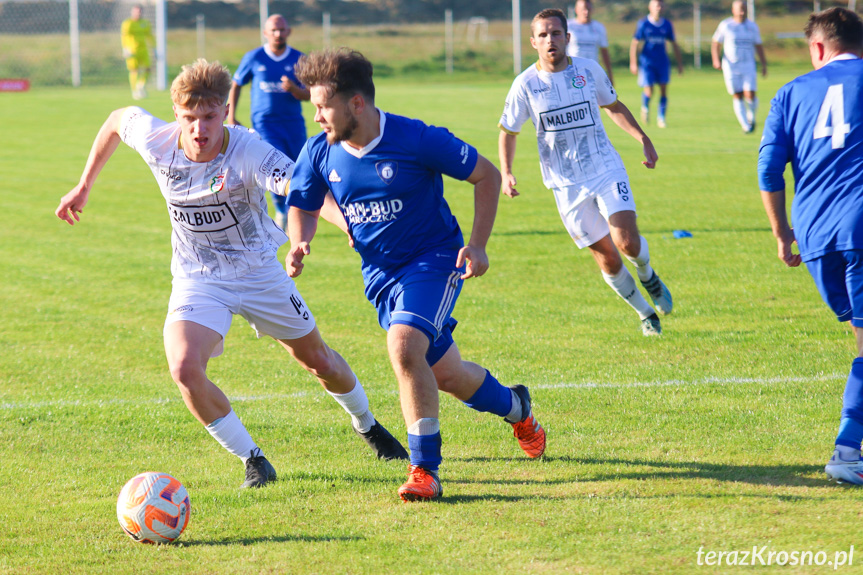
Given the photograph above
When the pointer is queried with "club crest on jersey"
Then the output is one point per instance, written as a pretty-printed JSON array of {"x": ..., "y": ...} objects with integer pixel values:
[
  {"x": 217, "y": 183},
  {"x": 387, "y": 171},
  {"x": 579, "y": 82}
]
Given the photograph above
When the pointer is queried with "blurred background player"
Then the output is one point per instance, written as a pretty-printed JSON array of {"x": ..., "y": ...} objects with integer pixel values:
[
  {"x": 224, "y": 255},
  {"x": 739, "y": 39},
  {"x": 579, "y": 164},
  {"x": 276, "y": 111},
  {"x": 816, "y": 123},
  {"x": 652, "y": 64},
  {"x": 588, "y": 38},
  {"x": 385, "y": 174},
  {"x": 136, "y": 36}
]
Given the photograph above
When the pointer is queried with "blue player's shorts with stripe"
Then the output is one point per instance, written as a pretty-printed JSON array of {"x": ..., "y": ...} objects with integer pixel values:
[
  {"x": 422, "y": 294},
  {"x": 839, "y": 277},
  {"x": 654, "y": 73}
]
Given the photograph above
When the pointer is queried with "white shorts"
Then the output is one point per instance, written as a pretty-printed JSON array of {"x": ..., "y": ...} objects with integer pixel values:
[
  {"x": 266, "y": 297},
  {"x": 585, "y": 209},
  {"x": 739, "y": 77}
]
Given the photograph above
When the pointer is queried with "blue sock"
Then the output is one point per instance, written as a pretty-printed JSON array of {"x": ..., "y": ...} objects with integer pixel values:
[
  {"x": 491, "y": 397},
  {"x": 645, "y": 100},
  {"x": 425, "y": 450},
  {"x": 851, "y": 426},
  {"x": 663, "y": 105}
]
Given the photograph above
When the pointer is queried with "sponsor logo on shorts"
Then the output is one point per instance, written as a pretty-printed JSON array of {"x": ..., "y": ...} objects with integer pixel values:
[
  {"x": 183, "y": 308},
  {"x": 567, "y": 118},
  {"x": 387, "y": 171},
  {"x": 203, "y": 218},
  {"x": 372, "y": 212}
]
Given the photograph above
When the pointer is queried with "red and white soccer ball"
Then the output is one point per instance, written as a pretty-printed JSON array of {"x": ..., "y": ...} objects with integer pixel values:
[{"x": 153, "y": 508}]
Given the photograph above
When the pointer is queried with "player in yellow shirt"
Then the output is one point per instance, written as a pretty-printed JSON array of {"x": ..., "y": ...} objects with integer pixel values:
[{"x": 136, "y": 36}]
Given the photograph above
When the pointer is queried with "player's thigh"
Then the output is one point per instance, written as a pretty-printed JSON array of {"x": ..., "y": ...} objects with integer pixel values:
[
  {"x": 188, "y": 347},
  {"x": 749, "y": 80},
  {"x": 273, "y": 306},
  {"x": 132, "y": 64},
  {"x": 580, "y": 214},
  {"x": 424, "y": 298},
  {"x": 733, "y": 79},
  {"x": 202, "y": 304},
  {"x": 839, "y": 281}
]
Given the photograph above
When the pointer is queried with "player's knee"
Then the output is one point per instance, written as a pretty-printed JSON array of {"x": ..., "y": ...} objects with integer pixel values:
[
  {"x": 321, "y": 362},
  {"x": 187, "y": 373}
]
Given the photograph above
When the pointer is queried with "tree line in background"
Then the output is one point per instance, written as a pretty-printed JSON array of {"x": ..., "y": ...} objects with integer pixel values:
[{"x": 41, "y": 17}]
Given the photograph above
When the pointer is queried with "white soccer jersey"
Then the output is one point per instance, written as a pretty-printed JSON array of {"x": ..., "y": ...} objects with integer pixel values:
[
  {"x": 738, "y": 41},
  {"x": 218, "y": 209},
  {"x": 585, "y": 40},
  {"x": 564, "y": 107}
]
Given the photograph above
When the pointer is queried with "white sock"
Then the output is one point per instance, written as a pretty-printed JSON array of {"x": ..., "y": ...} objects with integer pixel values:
[
  {"x": 230, "y": 432},
  {"x": 515, "y": 414},
  {"x": 848, "y": 453},
  {"x": 740, "y": 112},
  {"x": 356, "y": 403},
  {"x": 424, "y": 426},
  {"x": 751, "y": 107},
  {"x": 624, "y": 286},
  {"x": 642, "y": 262}
]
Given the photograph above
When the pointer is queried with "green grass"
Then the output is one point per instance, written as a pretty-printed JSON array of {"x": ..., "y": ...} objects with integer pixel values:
[{"x": 713, "y": 436}]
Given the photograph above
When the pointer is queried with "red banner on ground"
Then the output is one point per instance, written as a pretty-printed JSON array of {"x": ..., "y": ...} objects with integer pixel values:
[{"x": 14, "y": 85}]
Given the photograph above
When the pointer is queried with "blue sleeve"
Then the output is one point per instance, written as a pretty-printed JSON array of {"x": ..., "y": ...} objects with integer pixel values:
[
  {"x": 639, "y": 30},
  {"x": 244, "y": 70},
  {"x": 308, "y": 188},
  {"x": 775, "y": 150},
  {"x": 443, "y": 152}
]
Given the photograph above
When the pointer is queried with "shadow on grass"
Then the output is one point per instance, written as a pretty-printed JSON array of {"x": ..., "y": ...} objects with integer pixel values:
[
  {"x": 642, "y": 469},
  {"x": 275, "y": 539}
]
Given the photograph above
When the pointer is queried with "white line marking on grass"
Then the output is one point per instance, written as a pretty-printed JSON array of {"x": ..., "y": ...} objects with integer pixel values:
[{"x": 563, "y": 385}]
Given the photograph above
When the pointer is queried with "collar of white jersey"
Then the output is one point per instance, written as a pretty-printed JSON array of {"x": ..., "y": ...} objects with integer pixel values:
[
  {"x": 275, "y": 58},
  {"x": 843, "y": 56},
  {"x": 539, "y": 66},
  {"x": 371, "y": 145}
]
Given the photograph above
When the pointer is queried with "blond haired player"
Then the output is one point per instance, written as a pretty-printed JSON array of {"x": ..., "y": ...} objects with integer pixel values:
[
  {"x": 562, "y": 97},
  {"x": 214, "y": 181},
  {"x": 136, "y": 36}
]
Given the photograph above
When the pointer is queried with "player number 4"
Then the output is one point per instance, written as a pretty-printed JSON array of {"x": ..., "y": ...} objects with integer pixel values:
[{"x": 833, "y": 109}]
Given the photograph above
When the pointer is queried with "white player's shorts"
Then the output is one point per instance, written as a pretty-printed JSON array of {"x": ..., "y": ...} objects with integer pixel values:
[
  {"x": 740, "y": 77},
  {"x": 585, "y": 209},
  {"x": 266, "y": 297}
]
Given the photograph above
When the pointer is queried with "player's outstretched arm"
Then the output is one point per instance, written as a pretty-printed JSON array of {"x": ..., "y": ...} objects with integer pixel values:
[
  {"x": 233, "y": 99},
  {"x": 633, "y": 56},
  {"x": 302, "y": 226},
  {"x": 104, "y": 145},
  {"x": 774, "y": 205},
  {"x": 506, "y": 152},
  {"x": 486, "y": 191},
  {"x": 624, "y": 118}
]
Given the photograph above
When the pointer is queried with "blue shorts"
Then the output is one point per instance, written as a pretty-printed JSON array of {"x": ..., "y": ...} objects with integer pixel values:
[
  {"x": 652, "y": 73},
  {"x": 839, "y": 277},
  {"x": 423, "y": 295}
]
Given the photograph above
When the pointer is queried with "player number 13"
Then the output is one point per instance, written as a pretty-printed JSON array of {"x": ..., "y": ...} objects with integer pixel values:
[{"x": 833, "y": 109}]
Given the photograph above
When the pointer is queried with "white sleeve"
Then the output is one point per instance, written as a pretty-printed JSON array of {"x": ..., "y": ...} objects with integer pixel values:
[
  {"x": 719, "y": 35},
  {"x": 136, "y": 125},
  {"x": 757, "y": 34},
  {"x": 267, "y": 167},
  {"x": 605, "y": 92},
  {"x": 516, "y": 110},
  {"x": 603, "y": 35}
]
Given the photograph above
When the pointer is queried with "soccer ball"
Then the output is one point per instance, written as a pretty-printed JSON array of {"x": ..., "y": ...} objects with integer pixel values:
[{"x": 153, "y": 508}]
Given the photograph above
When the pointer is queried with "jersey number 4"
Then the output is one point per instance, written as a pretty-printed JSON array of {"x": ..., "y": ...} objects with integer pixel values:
[{"x": 833, "y": 110}]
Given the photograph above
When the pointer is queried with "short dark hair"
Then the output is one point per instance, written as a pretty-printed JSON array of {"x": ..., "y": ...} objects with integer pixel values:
[
  {"x": 550, "y": 13},
  {"x": 838, "y": 27},
  {"x": 343, "y": 71}
]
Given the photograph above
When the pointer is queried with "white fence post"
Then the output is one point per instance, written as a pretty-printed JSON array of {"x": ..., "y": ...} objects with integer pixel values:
[
  {"x": 696, "y": 35},
  {"x": 75, "y": 43},
  {"x": 448, "y": 40},
  {"x": 161, "y": 46},
  {"x": 516, "y": 37}
]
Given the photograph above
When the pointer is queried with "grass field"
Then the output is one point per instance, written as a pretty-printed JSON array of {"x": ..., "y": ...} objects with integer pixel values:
[{"x": 710, "y": 438}]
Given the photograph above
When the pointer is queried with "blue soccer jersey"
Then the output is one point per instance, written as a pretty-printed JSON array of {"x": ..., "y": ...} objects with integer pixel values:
[
  {"x": 390, "y": 192},
  {"x": 273, "y": 109},
  {"x": 654, "y": 36},
  {"x": 816, "y": 123}
]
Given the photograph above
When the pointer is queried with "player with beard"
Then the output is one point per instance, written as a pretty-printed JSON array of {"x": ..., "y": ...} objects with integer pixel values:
[
  {"x": 562, "y": 97},
  {"x": 385, "y": 174},
  {"x": 276, "y": 109}
]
